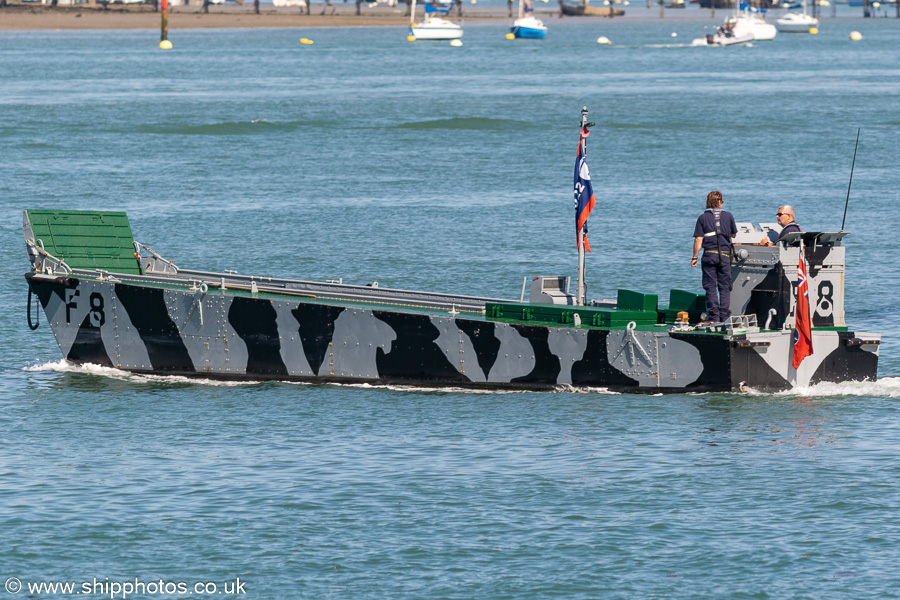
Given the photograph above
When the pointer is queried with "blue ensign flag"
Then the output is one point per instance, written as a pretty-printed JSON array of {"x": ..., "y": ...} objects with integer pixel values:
[{"x": 584, "y": 197}]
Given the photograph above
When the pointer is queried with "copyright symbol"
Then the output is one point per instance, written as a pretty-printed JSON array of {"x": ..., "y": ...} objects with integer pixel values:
[{"x": 13, "y": 585}]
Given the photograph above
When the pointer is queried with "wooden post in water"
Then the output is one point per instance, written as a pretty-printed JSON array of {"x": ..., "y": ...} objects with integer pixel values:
[
  {"x": 256, "y": 6},
  {"x": 660, "y": 8}
]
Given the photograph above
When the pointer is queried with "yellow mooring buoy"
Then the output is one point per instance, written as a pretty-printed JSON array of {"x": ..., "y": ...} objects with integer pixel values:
[
  {"x": 510, "y": 36},
  {"x": 165, "y": 45}
]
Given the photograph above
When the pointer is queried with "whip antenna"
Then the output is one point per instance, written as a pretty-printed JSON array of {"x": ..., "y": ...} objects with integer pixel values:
[{"x": 847, "y": 203}]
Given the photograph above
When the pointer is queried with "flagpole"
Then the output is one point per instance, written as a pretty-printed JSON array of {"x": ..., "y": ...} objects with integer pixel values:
[{"x": 580, "y": 300}]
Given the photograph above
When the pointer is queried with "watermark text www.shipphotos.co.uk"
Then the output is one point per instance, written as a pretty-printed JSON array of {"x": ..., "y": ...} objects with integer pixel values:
[{"x": 125, "y": 589}]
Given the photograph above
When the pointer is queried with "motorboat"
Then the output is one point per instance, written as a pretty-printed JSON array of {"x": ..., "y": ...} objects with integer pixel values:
[
  {"x": 433, "y": 27},
  {"x": 725, "y": 35}
]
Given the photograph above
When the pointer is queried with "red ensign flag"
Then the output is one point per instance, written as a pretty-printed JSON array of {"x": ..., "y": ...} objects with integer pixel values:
[{"x": 803, "y": 328}]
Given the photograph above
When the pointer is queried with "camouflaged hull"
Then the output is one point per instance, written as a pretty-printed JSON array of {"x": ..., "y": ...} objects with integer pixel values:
[
  {"x": 150, "y": 317},
  {"x": 155, "y": 330}
]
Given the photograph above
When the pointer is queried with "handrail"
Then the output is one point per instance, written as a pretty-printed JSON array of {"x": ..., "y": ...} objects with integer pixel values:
[
  {"x": 138, "y": 246},
  {"x": 39, "y": 250}
]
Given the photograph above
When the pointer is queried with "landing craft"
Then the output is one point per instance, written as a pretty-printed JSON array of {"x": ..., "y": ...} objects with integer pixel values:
[{"x": 115, "y": 302}]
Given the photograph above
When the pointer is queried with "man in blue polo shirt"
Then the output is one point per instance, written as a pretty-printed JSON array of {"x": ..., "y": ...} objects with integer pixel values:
[
  {"x": 785, "y": 216},
  {"x": 713, "y": 232}
]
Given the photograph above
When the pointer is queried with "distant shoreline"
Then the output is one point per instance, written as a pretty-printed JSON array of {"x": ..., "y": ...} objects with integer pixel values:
[
  {"x": 38, "y": 17},
  {"x": 32, "y": 16}
]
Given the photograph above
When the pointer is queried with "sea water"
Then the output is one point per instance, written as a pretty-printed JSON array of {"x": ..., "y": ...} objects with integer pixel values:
[{"x": 422, "y": 166}]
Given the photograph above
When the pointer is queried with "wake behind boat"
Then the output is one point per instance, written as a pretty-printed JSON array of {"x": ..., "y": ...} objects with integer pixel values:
[{"x": 433, "y": 27}]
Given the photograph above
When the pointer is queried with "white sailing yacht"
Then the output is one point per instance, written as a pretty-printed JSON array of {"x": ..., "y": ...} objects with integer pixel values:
[
  {"x": 527, "y": 25},
  {"x": 794, "y": 22},
  {"x": 749, "y": 21},
  {"x": 433, "y": 27}
]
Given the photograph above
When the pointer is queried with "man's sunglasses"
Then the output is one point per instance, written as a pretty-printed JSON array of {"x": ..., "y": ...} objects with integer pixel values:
[{"x": 780, "y": 214}]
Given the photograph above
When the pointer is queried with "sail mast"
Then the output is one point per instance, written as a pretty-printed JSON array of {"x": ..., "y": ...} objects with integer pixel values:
[
  {"x": 579, "y": 300},
  {"x": 412, "y": 13}
]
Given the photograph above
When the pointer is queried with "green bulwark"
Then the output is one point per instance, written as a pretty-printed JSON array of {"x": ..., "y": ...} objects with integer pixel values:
[
  {"x": 643, "y": 309},
  {"x": 632, "y": 306},
  {"x": 689, "y": 302},
  {"x": 86, "y": 239}
]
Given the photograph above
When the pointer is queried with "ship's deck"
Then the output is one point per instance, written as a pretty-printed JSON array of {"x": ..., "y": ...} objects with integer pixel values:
[
  {"x": 645, "y": 316},
  {"x": 99, "y": 245}
]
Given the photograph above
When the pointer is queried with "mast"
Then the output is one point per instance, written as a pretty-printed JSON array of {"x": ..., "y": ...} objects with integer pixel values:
[
  {"x": 412, "y": 13},
  {"x": 579, "y": 299},
  {"x": 853, "y": 166},
  {"x": 521, "y": 8}
]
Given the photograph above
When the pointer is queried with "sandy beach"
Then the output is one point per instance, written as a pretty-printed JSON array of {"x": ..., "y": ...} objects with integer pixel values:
[
  {"x": 36, "y": 16},
  {"x": 32, "y": 16}
]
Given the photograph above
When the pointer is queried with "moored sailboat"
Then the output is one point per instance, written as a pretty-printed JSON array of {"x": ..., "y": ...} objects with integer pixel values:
[
  {"x": 433, "y": 27},
  {"x": 794, "y": 22},
  {"x": 752, "y": 21},
  {"x": 527, "y": 25}
]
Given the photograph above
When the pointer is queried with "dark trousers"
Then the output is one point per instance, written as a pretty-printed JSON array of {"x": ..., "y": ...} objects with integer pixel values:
[{"x": 717, "y": 285}]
